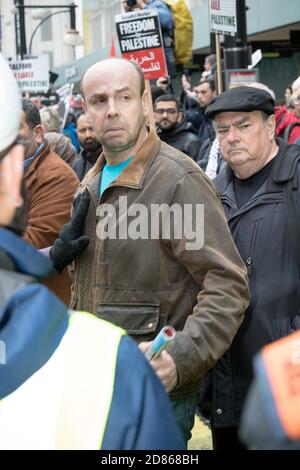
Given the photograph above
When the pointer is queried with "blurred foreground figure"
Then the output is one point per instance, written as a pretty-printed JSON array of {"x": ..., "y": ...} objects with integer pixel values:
[{"x": 271, "y": 417}]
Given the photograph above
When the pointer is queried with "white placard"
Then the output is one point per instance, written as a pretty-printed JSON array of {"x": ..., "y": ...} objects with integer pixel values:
[
  {"x": 32, "y": 74},
  {"x": 255, "y": 58},
  {"x": 222, "y": 16}
]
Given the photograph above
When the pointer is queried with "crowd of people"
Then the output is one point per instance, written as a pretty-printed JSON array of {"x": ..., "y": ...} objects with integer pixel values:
[{"x": 77, "y": 217}]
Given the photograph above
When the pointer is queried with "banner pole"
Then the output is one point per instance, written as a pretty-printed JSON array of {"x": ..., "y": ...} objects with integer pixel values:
[{"x": 219, "y": 63}]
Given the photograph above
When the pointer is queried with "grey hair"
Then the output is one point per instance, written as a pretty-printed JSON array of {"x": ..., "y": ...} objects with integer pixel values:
[
  {"x": 261, "y": 86},
  {"x": 50, "y": 119}
]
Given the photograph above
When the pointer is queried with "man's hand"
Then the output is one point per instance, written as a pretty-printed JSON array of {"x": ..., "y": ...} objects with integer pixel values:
[
  {"x": 185, "y": 83},
  {"x": 70, "y": 243},
  {"x": 164, "y": 367},
  {"x": 141, "y": 3}
]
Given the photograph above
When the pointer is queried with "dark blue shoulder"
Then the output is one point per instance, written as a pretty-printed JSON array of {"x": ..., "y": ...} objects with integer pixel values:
[
  {"x": 32, "y": 324},
  {"x": 26, "y": 258},
  {"x": 140, "y": 416}
]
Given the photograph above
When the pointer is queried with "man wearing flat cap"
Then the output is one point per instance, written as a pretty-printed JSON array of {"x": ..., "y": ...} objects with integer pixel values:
[{"x": 260, "y": 193}]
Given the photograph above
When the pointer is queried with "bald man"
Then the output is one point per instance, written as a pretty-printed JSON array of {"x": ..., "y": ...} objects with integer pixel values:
[{"x": 140, "y": 274}]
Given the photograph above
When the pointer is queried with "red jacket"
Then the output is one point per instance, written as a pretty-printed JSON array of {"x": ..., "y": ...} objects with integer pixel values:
[{"x": 283, "y": 119}]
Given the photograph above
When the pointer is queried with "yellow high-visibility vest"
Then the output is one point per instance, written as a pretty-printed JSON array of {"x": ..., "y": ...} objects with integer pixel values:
[{"x": 65, "y": 404}]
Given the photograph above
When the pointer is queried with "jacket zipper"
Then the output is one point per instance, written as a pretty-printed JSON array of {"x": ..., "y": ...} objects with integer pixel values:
[
  {"x": 249, "y": 260},
  {"x": 249, "y": 265}
]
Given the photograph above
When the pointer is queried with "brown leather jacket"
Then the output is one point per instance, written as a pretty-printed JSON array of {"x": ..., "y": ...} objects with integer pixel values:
[
  {"x": 51, "y": 185},
  {"x": 144, "y": 284}
]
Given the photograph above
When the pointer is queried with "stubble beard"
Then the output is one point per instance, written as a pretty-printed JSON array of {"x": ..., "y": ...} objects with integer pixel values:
[{"x": 119, "y": 144}]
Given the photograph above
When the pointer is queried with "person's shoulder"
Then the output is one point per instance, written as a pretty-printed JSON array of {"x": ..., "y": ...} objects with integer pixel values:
[
  {"x": 192, "y": 137},
  {"x": 222, "y": 180},
  {"x": 43, "y": 319},
  {"x": 290, "y": 150},
  {"x": 294, "y": 132},
  {"x": 28, "y": 259},
  {"x": 79, "y": 162},
  {"x": 78, "y": 167},
  {"x": 172, "y": 159},
  {"x": 54, "y": 165}
]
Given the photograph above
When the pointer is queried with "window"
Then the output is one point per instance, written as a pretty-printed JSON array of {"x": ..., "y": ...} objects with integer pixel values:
[
  {"x": 46, "y": 30},
  {"x": 50, "y": 54}
]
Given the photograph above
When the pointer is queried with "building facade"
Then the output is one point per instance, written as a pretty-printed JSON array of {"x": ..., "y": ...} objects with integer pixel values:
[
  {"x": 43, "y": 36},
  {"x": 271, "y": 27}
]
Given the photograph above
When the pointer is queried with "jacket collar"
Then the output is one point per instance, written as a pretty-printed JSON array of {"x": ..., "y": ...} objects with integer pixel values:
[
  {"x": 37, "y": 160},
  {"x": 286, "y": 163},
  {"x": 26, "y": 258},
  {"x": 29, "y": 160},
  {"x": 134, "y": 174},
  {"x": 223, "y": 180}
]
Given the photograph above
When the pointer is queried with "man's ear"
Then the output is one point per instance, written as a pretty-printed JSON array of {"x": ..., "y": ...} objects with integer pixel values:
[
  {"x": 146, "y": 103},
  {"x": 271, "y": 125},
  {"x": 180, "y": 116},
  {"x": 84, "y": 106},
  {"x": 38, "y": 133}
]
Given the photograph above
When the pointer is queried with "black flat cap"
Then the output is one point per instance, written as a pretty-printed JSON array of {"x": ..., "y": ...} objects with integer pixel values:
[{"x": 241, "y": 98}]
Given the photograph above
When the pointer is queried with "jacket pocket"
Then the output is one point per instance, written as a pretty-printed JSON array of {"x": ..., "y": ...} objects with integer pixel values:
[{"x": 139, "y": 320}]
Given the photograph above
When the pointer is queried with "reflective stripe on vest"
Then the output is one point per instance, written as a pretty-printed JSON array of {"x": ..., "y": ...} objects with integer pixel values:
[
  {"x": 282, "y": 363},
  {"x": 66, "y": 403}
]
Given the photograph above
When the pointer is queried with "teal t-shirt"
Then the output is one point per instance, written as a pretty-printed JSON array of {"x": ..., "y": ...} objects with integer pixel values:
[{"x": 111, "y": 172}]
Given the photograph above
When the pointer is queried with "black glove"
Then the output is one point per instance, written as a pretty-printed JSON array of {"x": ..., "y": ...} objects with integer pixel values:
[{"x": 70, "y": 243}]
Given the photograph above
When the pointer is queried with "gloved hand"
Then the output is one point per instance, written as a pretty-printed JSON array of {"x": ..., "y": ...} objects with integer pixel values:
[{"x": 70, "y": 243}]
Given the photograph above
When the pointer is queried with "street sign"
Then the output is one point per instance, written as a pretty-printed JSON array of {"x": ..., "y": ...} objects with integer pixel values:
[
  {"x": 32, "y": 74},
  {"x": 140, "y": 41},
  {"x": 238, "y": 77},
  {"x": 222, "y": 15}
]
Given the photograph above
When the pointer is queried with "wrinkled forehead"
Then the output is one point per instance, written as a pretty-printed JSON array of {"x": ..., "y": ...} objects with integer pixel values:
[
  {"x": 165, "y": 105},
  {"x": 83, "y": 121},
  {"x": 236, "y": 117},
  {"x": 203, "y": 88},
  {"x": 110, "y": 78}
]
